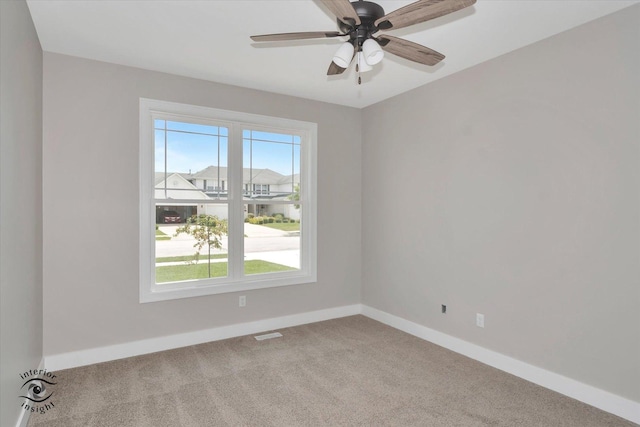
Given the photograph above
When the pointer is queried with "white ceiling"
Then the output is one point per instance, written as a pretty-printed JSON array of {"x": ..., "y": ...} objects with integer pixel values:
[{"x": 210, "y": 40}]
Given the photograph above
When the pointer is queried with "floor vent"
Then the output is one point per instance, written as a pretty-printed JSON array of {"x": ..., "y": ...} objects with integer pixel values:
[{"x": 268, "y": 336}]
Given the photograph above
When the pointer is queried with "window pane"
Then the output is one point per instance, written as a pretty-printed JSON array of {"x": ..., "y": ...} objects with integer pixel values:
[
  {"x": 190, "y": 127},
  {"x": 178, "y": 229},
  {"x": 272, "y": 137},
  {"x": 190, "y": 165},
  {"x": 271, "y": 165},
  {"x": 159, "y": 152},
  {"x": 189, "y": 153},
  {"x": 272, "y": 238}
]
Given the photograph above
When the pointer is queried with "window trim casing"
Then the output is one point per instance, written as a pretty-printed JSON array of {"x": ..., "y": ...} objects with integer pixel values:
[{"x": 150, "y": 291}]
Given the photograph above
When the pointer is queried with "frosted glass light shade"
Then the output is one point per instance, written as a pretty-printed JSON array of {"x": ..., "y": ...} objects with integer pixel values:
[
  {"x": 372, "y": 52},
  {"x": 343, "y": 56},
  {"x": 363, "y": 67}
]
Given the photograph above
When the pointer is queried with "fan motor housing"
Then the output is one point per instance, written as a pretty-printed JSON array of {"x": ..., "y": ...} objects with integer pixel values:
[{"x": 368, "y": 12}]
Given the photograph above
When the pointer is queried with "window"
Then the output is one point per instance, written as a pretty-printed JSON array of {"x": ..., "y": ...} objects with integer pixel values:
[
  {"x": 227, "y": 201},
  {"x": 259, "y": 189}
]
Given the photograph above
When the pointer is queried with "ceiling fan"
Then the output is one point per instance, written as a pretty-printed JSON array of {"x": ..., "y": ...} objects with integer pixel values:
[{"x": 362, "y": 20}]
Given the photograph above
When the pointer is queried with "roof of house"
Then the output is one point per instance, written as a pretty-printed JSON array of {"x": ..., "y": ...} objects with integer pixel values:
[
  {"x": 159, "y": 176},
  {"x": 287, "y": 179},
  {"x": 257, "y": 176}
]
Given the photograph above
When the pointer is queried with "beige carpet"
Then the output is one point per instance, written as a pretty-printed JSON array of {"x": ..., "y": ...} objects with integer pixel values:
[{"x": 350, "y": 371}]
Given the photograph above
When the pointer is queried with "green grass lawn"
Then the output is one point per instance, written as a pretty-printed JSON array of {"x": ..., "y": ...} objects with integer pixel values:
[
  {"x": 176, "y": 273},
  {"x": 284, "y": 226},
  {"x": 188, "y": 258}
]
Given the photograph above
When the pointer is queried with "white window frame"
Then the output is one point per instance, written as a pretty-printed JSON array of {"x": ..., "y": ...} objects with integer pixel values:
[{"x": 236, "y": 280}]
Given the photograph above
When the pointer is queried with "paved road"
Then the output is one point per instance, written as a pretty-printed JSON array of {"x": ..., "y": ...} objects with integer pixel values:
[{"x": 259, "y": 239}]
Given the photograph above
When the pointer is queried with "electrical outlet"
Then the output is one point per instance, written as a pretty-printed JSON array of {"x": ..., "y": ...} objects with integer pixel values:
[
  {"x": 444, "y": 309},
  {"x": 480, "y": 320},
  {"x": 242, "y": 301}
]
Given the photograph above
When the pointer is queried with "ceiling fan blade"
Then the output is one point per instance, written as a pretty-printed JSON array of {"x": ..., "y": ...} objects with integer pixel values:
[
  {"x": 343, "y": 11},
  {"x": 409, "y": 50},
  {"x": 420, "y": 11},
  {"x": 334, "y": 69},
  {"x": 295, "y": 36}
]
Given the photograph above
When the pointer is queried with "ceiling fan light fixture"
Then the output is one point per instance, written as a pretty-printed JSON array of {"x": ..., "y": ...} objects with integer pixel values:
[
  {"x": 372, "y": 52},
  {"x": 363, "y": 67},
  {"x": 343, "y": 55}
]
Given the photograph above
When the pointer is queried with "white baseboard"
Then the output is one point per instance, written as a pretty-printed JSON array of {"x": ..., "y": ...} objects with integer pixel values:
[
  {"x": 23, "y": 418},
  {"x": 120, "y": 351},
  {"x": 590, "y": 395}
]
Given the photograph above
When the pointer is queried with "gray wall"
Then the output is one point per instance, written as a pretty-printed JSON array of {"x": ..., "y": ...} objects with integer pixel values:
[
  {"x": 90, "y": 169},
  {"x": 512, "y": 190},
  {"x": 20, "y": 203}
]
